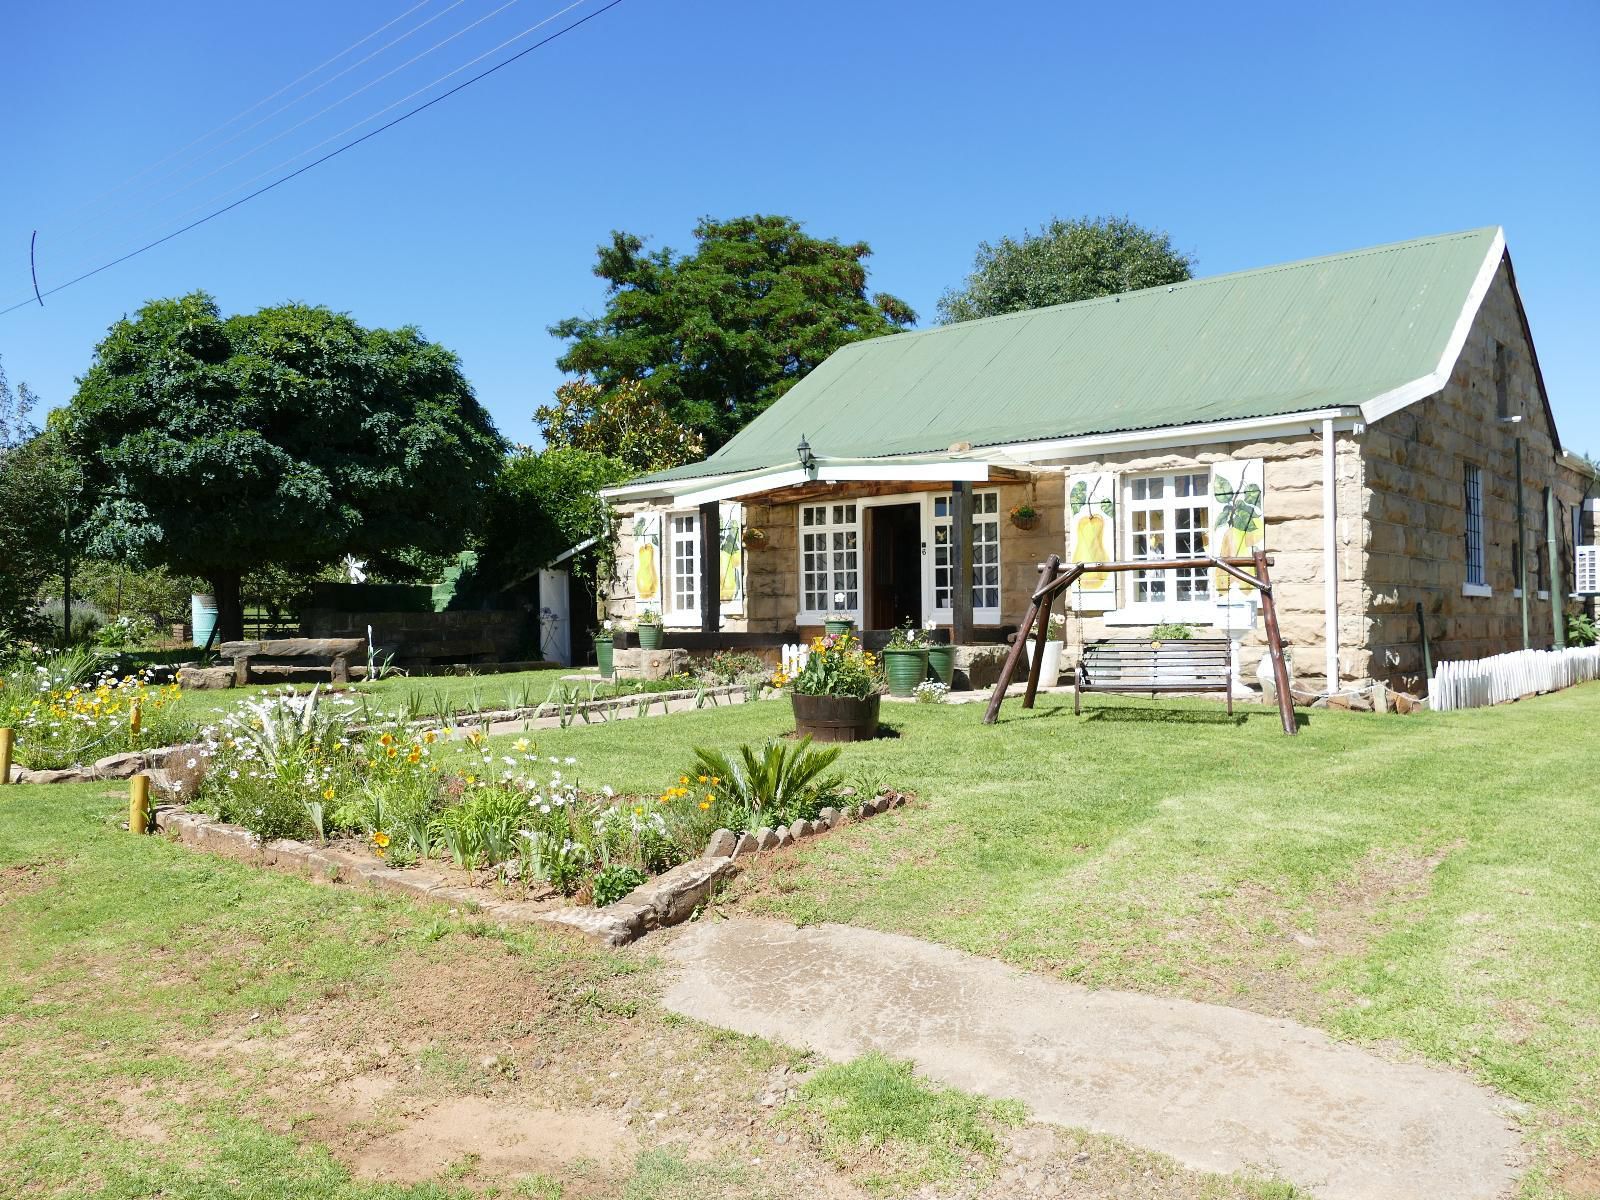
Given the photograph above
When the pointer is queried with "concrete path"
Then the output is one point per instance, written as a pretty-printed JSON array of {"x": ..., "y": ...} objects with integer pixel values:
[{"x": 1216, "y": 1088}]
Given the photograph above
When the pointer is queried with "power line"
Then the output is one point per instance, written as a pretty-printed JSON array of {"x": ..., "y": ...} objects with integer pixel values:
[
  {"x": 405, "y": 116},
  {"x": 264, "y": 100}
]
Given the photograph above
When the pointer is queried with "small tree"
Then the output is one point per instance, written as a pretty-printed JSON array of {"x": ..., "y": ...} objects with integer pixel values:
[
  {"x": 289, "y": 436},
  {"x": 1064, "y": 262},
  {"x": 716, "y": 336},
  {"x": 544, "y": 503},
  {"x": 622, "y": 423}
]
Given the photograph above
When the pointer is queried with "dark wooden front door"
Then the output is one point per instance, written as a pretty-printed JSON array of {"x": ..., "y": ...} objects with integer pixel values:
[{"x": 894, "y": 587}]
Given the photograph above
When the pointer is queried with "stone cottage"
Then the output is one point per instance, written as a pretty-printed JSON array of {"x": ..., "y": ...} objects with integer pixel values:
[{"x": 1376, "y": 420}]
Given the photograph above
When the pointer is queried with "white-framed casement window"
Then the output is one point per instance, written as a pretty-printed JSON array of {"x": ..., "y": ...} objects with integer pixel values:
[
  {"x": 985, "y": 557},
  {"x": 1472, "y": 509},
  {"x": 830, "y": 559},
  {"x": 684, "y": 554},
  {"x": 1168, "y": 516}
]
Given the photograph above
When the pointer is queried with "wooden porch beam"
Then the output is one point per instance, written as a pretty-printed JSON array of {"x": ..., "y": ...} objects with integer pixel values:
[
  {"x": 710, "y": 567},
  {"x": 961, "y": 563}
]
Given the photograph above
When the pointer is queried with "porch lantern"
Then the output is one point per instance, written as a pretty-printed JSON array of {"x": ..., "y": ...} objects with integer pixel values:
[{"x": 808, "y": 460}]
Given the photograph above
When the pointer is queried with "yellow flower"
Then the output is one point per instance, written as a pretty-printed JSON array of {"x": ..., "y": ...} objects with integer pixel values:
[
  {"x": 704, "y": 804},
  {"x": 472, "y": 779},
  {"x": 715, "y": 781},
  {"x": 638, "y": 812},
  {"x": 520, "y": 745},
  {"x": 683, "y": 779},
  {"x": 327, "y": 792},
  {"x": 429, "y": 737},
  {"x": 380, "y": 839},
  {"x": 392, "y": 751},
  {"x": 385, "y": 740},
  {"x": 702, "y": 778}
]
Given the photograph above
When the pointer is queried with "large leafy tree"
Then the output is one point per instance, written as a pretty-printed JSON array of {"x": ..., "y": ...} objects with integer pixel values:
[
  {"x": 37, "y": 482},
  {"x": 716, "y": 336},
  {"x": 285, "y": 437},
  {"x": 543, "y": 504},
  {"x": 622, "y": 423},
  {"x": 1063, "y": 262}
]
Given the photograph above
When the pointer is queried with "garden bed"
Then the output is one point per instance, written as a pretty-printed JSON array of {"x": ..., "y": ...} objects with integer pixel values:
[
  {"x": 659, "y": 901},
  {"x": 294, "y": 779}
]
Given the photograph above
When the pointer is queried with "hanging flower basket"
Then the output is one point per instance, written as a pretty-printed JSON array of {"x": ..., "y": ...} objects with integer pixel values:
[
  {"x": 1024, "y": 516},
  {"x": 754, "y": 538}
]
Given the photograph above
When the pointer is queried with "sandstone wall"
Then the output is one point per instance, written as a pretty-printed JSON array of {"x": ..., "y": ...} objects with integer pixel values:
[{"x": 1414, "y": 521}]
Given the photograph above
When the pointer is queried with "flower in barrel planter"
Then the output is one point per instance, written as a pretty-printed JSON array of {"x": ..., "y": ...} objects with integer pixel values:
[
  {"x": 905, "y": 660},
  {"x": 836, "y": 693}
]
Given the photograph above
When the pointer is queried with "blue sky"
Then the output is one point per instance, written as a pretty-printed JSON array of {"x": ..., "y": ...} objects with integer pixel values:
[{"x": 1253, "y": 133}]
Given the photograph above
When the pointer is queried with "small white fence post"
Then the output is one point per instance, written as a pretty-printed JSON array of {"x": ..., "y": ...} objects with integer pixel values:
[
  {"x": 794, "y": 658},
  {"x": 1479, "y": 683}
]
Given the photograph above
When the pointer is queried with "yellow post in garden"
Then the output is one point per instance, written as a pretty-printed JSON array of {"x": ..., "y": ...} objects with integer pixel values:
[
  {"x": 135, "y": 718},
  {"x": 5, "y": 755},
  {"x": 139, "y": 804}
]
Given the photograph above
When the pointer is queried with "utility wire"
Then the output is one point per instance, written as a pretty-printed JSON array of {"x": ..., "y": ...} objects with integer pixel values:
[
  {"x": 143, "y": 171},
  {"x": 405, "y": 116},
  {"x": 178, "y": 191}
]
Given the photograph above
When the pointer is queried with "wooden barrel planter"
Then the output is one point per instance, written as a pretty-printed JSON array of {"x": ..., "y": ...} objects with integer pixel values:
[{"x": 836, "y": 718}]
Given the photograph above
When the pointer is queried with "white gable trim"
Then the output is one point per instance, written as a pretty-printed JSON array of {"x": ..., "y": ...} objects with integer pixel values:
[
  {"x": 1243, "y": 429},
  {"x": 1419, "y": 389}
]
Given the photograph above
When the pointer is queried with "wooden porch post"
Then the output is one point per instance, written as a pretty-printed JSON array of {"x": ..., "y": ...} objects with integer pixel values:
[
  {"x": 961, "y": 563},
  {"x": 710, "y": 567}
]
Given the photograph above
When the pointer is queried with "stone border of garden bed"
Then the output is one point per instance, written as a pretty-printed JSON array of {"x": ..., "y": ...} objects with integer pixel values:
[
  {"x": 668, "y": 899},
  {"x": 132, "y": 762}
]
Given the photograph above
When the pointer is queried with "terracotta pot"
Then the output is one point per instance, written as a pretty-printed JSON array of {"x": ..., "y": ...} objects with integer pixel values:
[{"x": 836, "y": 718}]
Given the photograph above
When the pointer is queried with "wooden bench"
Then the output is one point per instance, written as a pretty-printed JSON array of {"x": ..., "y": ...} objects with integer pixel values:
[
  {"x": 1125, "y": 665},
  {"x": 335, "y": 652}
]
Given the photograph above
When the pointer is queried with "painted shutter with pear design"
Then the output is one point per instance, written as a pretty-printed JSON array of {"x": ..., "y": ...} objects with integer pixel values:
[
  {"x": 647, "y": 562},
  {"x": 730, "y": 561},
  {"x": 1238, "y": 519},
  {"x": 1092, "y": 537}
]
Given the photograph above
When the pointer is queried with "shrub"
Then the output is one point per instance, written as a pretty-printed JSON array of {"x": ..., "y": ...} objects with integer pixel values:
[
  {"x": 614, "y": 881},
  {"x": 1172, "y": 632},
  {"x": 1581, "y": 631},
  {"x": 931, "y": 691}
]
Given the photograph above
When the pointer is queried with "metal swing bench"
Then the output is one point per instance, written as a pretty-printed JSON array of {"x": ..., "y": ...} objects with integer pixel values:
[{"x": 1112, "y": 666}]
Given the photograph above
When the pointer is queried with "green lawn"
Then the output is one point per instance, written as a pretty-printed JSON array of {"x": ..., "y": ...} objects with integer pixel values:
[
  {"x": 1425, "y": 883},
  {"x": 179, "y": 1024}
]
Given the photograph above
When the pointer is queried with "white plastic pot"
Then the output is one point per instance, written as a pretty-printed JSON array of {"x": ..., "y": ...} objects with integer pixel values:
[{"x": 1050, "y": 672}]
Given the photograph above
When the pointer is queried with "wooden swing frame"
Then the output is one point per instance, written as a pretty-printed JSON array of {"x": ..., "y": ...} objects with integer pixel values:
[{"x": 1054, "y": 580}]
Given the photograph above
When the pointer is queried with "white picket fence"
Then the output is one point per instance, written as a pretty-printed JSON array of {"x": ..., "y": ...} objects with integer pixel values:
[
  {"x": 794, "y": 658},
  {"x": 1477, "y": 683}
]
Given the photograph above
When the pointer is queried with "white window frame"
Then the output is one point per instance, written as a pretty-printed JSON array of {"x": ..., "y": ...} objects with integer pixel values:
[
  {"x": 981, "y": 615},
  {"x": 672, "y": 613},
  {"x": 1169, "y": 609},
  {"x": 1472, "y": 536},
  {"x": 829, "y": 527}
]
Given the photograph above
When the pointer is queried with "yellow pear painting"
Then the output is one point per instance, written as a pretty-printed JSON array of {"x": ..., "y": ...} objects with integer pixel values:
[
  {"x": 1089, "y": 534},
  {"x": 646, "y": 572},
  {"x": 1243, "y": 526},
  {"x": 732, "y": 565}
]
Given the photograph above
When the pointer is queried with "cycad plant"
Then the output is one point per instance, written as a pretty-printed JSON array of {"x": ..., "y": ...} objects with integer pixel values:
[{"x": 773, "y": 784}]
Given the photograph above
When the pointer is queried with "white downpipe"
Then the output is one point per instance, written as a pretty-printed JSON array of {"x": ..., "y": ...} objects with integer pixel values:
[{"x": 1330, "y": 560}]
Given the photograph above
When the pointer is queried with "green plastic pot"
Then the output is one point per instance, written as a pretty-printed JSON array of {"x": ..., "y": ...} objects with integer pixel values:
[
  {"x": 650, "y": 637},
  {"x": 837, "y": 628},
  {"x": 942, "y": 663},
  {"x": 602, "y": 655},
  {"x": 905, "y": 669}
]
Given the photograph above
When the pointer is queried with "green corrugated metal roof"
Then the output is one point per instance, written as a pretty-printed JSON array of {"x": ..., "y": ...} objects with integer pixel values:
[{"x": 1321, "y": 333}]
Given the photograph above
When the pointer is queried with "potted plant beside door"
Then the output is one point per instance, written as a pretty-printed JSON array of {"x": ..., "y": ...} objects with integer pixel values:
[
  {"x": 905, "y": 660},
  {"x": 649, "y": 630},
  {"x": 837, "y": 623},
  {"x": 941, "y": 655},
  {"x": 603, "y": 646},
  {"x": 836, "y": 693}
]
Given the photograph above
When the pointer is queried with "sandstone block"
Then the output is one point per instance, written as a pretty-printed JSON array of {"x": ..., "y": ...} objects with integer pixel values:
[
  {"x": 119, "y": 766},
  {"x": 723, "y": 843},
  {"x": 205, "y": 679},
  {"x": 649, "y": 664},
  {"x": 766, "y": 839}
]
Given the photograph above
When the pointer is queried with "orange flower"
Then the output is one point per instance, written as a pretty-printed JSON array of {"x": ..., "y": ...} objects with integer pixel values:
[{"x": 380, "y": 839}]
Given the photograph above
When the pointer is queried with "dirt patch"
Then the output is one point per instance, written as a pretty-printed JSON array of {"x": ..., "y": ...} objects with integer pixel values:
[
  {"x": 501, "y": 1139},
  {"x": 1579, "y": 1180},
  {"x": 24, "y": 879}
]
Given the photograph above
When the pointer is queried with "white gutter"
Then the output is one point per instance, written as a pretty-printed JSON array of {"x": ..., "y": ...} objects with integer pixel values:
[
  {"x": 1330, "y": 559},
  {"x": 714, "y": 487},
  {"x": 1179, "y": 435}
]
